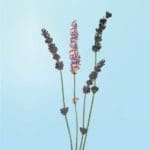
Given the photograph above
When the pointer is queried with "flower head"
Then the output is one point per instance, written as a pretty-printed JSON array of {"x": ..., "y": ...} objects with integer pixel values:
[
  {"x": 74, "y": 54},
  {"x": 52, "y": 49},
  {"x": 98, "y": 36},
  {"x": 92, "y": 77}
]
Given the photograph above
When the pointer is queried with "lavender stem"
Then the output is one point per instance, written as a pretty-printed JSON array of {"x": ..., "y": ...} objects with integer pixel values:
[
  {"x": 66, "y": 118},
  {"x": 91, "y": 107},
  {"x": 76, "y": 112}
]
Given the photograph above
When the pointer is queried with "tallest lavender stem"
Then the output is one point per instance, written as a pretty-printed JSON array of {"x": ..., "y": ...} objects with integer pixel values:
[
  {"x": 74, "y": 67},
  {"x": 96, "y": 47},
  {"x": 59, "y": 66}
]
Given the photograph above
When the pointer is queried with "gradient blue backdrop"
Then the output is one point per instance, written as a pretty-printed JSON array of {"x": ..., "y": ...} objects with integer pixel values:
[{"x": 30, "y": 86}]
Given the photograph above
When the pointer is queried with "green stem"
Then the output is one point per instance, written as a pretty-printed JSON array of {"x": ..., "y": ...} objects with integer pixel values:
[
  {"x": 81, "y": 142},
  {"x": 83, "y": 124},
  {"x": 62, "y": 88},
  {"x": 84, "y": 102},
  {"x": 76, "y": 112},
  {"x": 91, "y": 107},
  {"x": 64, "y": 105},
  {"x": 89, "y": 118}
]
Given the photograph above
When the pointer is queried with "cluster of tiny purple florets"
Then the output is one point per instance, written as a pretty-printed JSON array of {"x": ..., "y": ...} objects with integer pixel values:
[
  {"x": 53, "y": 49},
  {"x": 98, "y": 36}
]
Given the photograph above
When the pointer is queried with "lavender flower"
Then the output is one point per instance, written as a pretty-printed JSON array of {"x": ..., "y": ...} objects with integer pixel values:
[
  {"x": 98, "y": 36},
  {"x": 74, "y": 54},
  {"x": 92, "y": 77},
  {"x": 53, "y": 49}
]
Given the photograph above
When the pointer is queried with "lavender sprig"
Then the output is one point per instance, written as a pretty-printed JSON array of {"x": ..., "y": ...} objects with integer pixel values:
[
  {"x": 87, "y": 89},
  {"x": 90, "y": 85},
  {"x": 74, "y": 67},
  {"x": 96, "y": 48},
  {"x": 59, "y": 65}
]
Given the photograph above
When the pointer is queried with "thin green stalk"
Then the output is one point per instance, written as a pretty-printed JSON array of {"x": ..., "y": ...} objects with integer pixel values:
[
  {"x": 62, "y": 88},
  {"x": 95, "y": 58},
  {"x": 91, "y": 107},
  {"x": 83, "y": 124},
  {"x": 81, "y": 141},
  {"x": 89, "y": 118},
  {"x": 76, "y": 112},
  {"x": 84, "y": 110},
  {"x": 66, "y": 118}
]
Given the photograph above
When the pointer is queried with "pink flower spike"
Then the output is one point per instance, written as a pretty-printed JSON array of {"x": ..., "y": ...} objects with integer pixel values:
[{"x": 74, "y": 54}]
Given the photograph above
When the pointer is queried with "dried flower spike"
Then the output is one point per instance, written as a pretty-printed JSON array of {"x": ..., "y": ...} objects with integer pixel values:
[
  {"x": 98, "y": 36},
  {"x": 53, "y": 49},
  {"x": 74, "y": 54}
]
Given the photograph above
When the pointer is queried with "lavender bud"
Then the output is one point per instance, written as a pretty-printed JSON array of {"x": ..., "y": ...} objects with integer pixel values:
[
  {"x": 93, "y": 75},
  {"x": 103, "y": 21},
  {"x": 89, "y": 82},
  {"x": 56, "y": 57},
  {"x": 97, "y": 69},
  {"x": 50, "y": 46},
  {"x": 64, "y": 111},
  {"x": 49, "y": 40},
  {"x": 83, "y": 130},
  {"x": 86, "y": 89},
  {"x": 102, "y": 26},
  {"x": 101, "y": 63},
  {"x": 96, "y": 48},
  {"x": 53, "y": 50},
  {"x": 94, "y": 89},
  {"x": 98, "y": 38},
  {"x": 99, "y": 30},
  {"x": 59, "y": 65},
  {"x": 45, "y": 33},
  {"x": 108, "y": 14}
]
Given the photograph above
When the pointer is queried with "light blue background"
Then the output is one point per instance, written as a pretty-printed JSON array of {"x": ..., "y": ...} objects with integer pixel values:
[{"x": 30, "y": 86}]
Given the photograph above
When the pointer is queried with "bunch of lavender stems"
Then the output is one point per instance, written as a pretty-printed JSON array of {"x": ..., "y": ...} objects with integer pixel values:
[
  {"x": 59, "y": 65},
  {"x": 75, "y": 66},
  {"x": 96, "y": 47}
]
